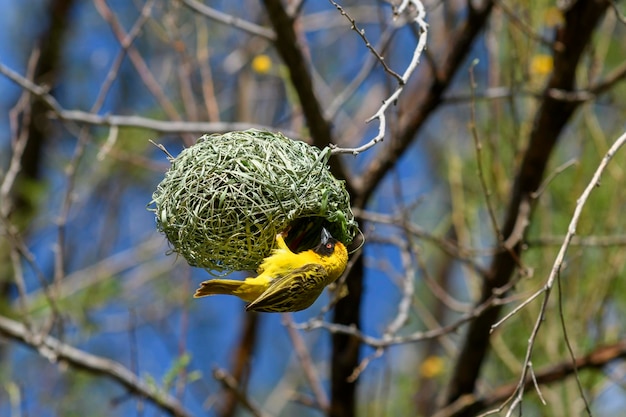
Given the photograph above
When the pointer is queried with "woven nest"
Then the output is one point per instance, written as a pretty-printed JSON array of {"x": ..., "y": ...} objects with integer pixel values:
[{"x": 223, "y": 200}]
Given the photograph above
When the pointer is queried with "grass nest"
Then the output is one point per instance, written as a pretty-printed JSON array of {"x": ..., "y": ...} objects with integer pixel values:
[{"x": 224, "y": 199}]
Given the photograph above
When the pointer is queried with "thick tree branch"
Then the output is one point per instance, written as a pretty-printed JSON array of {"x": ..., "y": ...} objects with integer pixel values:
[
  {"x": 345, "y": 354},
  {"x": 57, "y": 351},
  {"x": 600, "y": 357},
  {"x": 580, "y": 20}
]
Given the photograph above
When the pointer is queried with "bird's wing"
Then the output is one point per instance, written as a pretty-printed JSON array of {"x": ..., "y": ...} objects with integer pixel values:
[{"x": 293, "y": 291}]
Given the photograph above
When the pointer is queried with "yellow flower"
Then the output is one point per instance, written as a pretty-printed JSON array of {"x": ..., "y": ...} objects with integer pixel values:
[
  {"x": 432, "y": 366},
  {"x": 262, "y": 64},
  {"x": 541, "y": 64}
]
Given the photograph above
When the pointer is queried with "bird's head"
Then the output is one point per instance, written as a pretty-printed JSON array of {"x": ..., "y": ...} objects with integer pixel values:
[
  {"x": 333, "y": 255},
  {"x": 327, "y": 244}
]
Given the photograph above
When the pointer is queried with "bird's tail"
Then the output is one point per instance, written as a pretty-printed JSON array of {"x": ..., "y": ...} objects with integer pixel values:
[
  {"x": 241, "y": 289},
  {"x": 218, "y": 286}
]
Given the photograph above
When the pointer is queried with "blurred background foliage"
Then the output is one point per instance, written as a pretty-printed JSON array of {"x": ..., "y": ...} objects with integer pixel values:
[{"x": 81, "y": 261}]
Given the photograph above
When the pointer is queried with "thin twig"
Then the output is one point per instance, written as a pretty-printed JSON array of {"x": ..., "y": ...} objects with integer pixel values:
[
  {"x": 552, "y": 176},
  {"x": 595, "y": 241},
  {"x": 452, "y": 249},
  {"x": 119, "y": 59},
  {"x": 135, "y": 57},
  {"x": 616, "y": 75},
  {"x": 206, "y": 74},
  {"x": 364, "y": 364},
  {"x": 361, "y": 33},
  {"x": 570, "y": 350},
  {"x": 356, "y": 82},
  {"x": 162, "y": 149},
  {"x": 18, "y": 145},
  {"x": 404, "y": 308},
  {"x": 522, "y": 221},
  {"x": 408, "y": 289},
  {"x": 490, "y": 93},
  {"x": 438, "y": 291},
  {"x": 479, "y": 160},
  {"x": 229, "y": 383},
  {"x": 380, "y": 113},
  {"x": 18, "y": 244},
  {"x": 304, "y": 357},
  {"x": 230, "y": 20},
  {"x": 151, "y": 83},
  {"x": 377, "y": 342},
  {"x": 536, "y": 384}
]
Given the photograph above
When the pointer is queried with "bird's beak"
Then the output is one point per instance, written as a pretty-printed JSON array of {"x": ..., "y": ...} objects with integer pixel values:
[{"x": 325, "y": 236}]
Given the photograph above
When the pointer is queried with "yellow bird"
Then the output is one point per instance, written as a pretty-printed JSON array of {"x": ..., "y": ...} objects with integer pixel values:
[{"x": 286, "y": 281}]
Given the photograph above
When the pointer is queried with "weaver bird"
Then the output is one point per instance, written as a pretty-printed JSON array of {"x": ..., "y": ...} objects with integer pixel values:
[{"x": 286, "y": 281}]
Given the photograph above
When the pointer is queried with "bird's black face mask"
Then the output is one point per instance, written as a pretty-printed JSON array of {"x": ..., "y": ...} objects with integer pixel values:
[{"x": 327, "y": 244}]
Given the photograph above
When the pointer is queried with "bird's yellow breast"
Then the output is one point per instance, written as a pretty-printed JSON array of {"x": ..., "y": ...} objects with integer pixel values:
[{"x": 283, "y": 260}]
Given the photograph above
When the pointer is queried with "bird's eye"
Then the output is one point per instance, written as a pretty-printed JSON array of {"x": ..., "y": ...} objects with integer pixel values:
[{"x": 329, "y": 246}]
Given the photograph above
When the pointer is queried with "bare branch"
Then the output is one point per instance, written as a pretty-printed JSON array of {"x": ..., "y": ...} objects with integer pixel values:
[
  {"x": 139, "y": 63},
  {"x": 161, "y": 126},
  {"x": 596, "y": 359},
  {"x": 463, "y": 254},
  {"x": 558, "y": 170},
  {"x": 418, "y": 19},
  {"x": 59, "y": 352},
  {"x": 594, "y": 241},
  {"x": 572, "y": 355},
  {"x": 385, "y": 341},
  {"x": 408, "y": 290},
  {"x": 230, "y": 20},
  {"x": 321, "y": 399},
  {"x": 616, "y": 75},
  {"x": 230, "y": 383},
  {"x": 241, "y": 357},
  {"x": 117, "y": 62},
  {"x": 479, "y": 160},
  {"x": 365, "y": 70},
  {"x": 361, "y": 33},
  {"x": 404, "y": 306}
]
